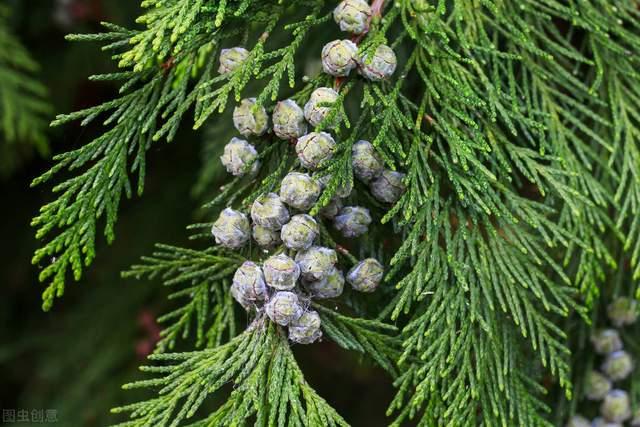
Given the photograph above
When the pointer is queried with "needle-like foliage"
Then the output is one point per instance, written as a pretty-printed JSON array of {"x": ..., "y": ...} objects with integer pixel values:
[
  {"x": 202, "y": 277},
  {"x": 268, "y": 385},
  {"x": 517, "y": 125},
  {"x": 23, "y": 105}
]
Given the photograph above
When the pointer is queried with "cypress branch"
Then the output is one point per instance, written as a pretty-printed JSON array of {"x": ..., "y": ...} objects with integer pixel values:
[{"x": 517, "y": 125}]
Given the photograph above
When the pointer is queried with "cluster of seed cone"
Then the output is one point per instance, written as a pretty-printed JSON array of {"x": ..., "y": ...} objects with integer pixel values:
[
  {"x": 283, "y": 285},
  {"x": 603, "y": 385}
]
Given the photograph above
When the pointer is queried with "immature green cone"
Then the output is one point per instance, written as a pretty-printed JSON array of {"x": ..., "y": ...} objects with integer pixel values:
[
  {"x": 366, "y": 275},
  {"x": 299, "y": 191},
  {"x": 313, "y": 112},
  {"x": 232, "y": 229},
  {"x": 330, "y": 286},
  {"x": 339, "y": 57},
  {"x": 281, "y": 272},
  {"x": 248, "y": 286},
  {"x": 316, "y": 262},
  {"x": 238, "y": 155},
  {"x": 266, "y": 237},
  {"x": 306, "y": 329},
  {"x": 388, "y": 187},
  {"x": 578, "y": 421},
  {"x": 616, "y": 406},
  {"x": 366, "y": 162},
  {"x": 269, "y": 211},
  {"x": 288, "y": 120},
  {"x": 618, "y": 365},
  {"x": 353, "y": 16},
  {"x": 300, "y": 232},
  {"x": 230, "y": 59},
  {"x": 606, "y": 341},
  {"x": 623, "y": 311},
  {"x": 249, "y": 119},
  {"x": 596, "y": 386},
  {"x": 352, "y": 221},
  {"x": 284, "y": 308},
  {"x": 381, "y": 66},
  {"x": 314, "y": 149}
]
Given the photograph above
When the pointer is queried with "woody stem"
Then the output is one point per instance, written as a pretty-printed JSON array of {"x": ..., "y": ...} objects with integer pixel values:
[{"x": 376, "y": 8}]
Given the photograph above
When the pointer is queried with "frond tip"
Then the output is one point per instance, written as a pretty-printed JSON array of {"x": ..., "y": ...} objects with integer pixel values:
[{"x": 268, "y": 386}]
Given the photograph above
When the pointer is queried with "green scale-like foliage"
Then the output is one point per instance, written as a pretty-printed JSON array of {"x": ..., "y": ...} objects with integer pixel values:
[
  {"x": 23, "y": 106},
  {"x": 518, "y": 125}
]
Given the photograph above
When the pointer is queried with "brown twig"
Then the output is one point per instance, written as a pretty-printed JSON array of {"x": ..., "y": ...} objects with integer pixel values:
[
  {"x": 168, "y": 64},
  {"x": 376, "y": 8},
  {"x": 376, "y": 13},
  {"x": 344, "y": 251},
  {"x": 429, "y": 119}
]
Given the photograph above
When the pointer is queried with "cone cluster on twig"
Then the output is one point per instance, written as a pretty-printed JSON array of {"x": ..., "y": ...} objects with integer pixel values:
[
  {"x": 616, "y": 366},
  {"x": 284, "y": 284}
]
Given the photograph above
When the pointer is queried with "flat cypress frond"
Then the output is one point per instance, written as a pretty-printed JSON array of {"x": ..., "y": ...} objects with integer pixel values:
[
  {"x": 269, "y": 387},
  {"x": 24, "y": 108},
  {"x": 516, "y": 125}
]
